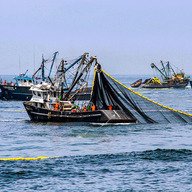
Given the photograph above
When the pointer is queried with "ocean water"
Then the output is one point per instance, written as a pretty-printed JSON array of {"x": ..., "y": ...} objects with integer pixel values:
[{"x": 89, "y": 157}]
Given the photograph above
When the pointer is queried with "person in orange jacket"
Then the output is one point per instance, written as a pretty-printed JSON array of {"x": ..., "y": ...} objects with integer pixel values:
[
  {"x": 56, "y": 106},
  {"x": 110, "y": 107},
  {"x": 93, "y": 107}
]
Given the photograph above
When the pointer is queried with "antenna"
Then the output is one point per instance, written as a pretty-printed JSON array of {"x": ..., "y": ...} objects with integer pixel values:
[
  {"x": 19, "y": 64},
  {"x": 34, "y": 57}
]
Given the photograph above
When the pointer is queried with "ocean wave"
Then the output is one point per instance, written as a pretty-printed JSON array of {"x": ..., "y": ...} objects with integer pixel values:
[
  {"x": 110, "y": 124},
  {"x": 166, "y": 154},
  {"x": 148, "y": 155},
  {"x": 102, "y": 172},
  {"x": 78, "y": 166},
  {"x": 12, "y": 110},
  {"x": 12, "y": 120},
  {"x": 157, "y": 154}
]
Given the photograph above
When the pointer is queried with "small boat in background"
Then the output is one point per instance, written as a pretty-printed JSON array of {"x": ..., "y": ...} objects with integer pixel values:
[
  {"x": 155, "y": 83},
  {"x": 18, "y": 90},
  {"x": 136, "y": 83},
  {"x": 168, "y": 78}
]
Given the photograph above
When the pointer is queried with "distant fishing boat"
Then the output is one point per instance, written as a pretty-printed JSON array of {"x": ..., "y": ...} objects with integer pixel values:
[
  {"x": 169, "y": 78},
  {"x": 18, "y": 90},
  {"x": 153, "y": 85}
]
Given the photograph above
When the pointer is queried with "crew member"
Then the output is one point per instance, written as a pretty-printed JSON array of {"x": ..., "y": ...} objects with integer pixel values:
[
  {"x": 93, "y": 107},
  {"x": 110, "y": 107},
  {"x": 56, "y": 106},
  {"x": 84, "y": 108}
]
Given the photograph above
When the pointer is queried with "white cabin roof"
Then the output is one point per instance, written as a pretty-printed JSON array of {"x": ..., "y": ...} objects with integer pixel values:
[{"x": 41, "y": 87}]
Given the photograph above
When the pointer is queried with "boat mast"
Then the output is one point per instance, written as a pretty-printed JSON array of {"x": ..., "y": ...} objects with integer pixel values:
[
  {"x": 25, "y": 72},
  {"x": 86, "y": 69},
  {"x": 53, "y": 60},
  {"x": 164, "y": 69},
  {"x": 74, "y": 63},
  {"x": 171, "y": 68},
  {"x": 43, "y": 69},
  {"x": 83, "y": 57},
  {"x": 154, "y": 66},
  {"x": 63, "y": 78}
]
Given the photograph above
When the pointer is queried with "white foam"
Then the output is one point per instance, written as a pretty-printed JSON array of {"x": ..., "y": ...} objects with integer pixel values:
[{"x": 110, "y": 124}]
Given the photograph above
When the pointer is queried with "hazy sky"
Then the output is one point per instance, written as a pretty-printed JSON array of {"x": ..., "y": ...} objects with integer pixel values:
[{"x": 126, "y": 36}]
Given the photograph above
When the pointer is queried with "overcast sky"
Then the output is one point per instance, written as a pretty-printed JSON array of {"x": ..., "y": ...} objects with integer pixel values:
[{"x": 126, "y": 36}]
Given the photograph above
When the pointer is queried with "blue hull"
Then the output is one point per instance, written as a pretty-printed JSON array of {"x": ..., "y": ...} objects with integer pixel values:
[{"x": 18, "y": 93}]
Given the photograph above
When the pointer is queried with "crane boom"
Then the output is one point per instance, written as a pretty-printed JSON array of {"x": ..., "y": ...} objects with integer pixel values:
[
  {"x": 53, "y": 60},
  {"x": 154, "y": 66},
  {"x": 85, "y": 69},
  {"x": 164, "y": 69}
]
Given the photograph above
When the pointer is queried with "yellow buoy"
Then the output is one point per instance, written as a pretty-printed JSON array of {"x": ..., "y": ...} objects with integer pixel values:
[{"x": 23, "y": 158}]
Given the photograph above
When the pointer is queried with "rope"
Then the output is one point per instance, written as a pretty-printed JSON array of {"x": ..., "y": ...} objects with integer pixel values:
[
  {"x": 93, "y": 82},
  {"x": 140, "y": 95}
]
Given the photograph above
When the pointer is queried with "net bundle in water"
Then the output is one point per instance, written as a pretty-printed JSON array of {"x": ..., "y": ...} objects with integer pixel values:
[{"x": 108, "y": 91}]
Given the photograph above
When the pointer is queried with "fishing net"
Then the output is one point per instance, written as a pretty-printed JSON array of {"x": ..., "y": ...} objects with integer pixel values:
[{"x": 108, "y": 91}]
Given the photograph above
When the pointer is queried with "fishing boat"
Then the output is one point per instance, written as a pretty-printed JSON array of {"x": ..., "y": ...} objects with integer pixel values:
[
  {"x": 20, "y": 89},
  {"x": 45, "y": 104},
  {"x": 169, "y": 78},
  {"x": 153, "y": 84}
]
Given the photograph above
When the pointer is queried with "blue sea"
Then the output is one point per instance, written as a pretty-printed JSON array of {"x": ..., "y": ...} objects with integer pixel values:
[{"x": 87, "y": 157}]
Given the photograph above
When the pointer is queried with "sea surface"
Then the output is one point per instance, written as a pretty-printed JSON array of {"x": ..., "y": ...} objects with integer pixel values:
[{"x": 87, "y": 157}]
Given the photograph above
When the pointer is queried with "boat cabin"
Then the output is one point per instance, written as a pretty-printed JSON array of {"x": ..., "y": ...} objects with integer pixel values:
[
  {"x": 23, "y": 80},
  {"x": 44, "y": 95}
]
